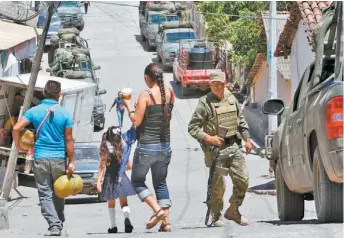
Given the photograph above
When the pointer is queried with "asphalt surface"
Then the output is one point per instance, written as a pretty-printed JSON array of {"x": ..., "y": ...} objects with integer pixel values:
[{"x": 113, "y": 34}]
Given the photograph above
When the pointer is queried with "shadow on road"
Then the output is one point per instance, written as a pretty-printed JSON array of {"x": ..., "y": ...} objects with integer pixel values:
[
  {"x": 268, "y": 188},
  {"x": 286, "y": 223},
  {"x": 178, "y": 92},
  {"x": 82, "y": 200},
  {"x": 26, "y": 181},
  {"x": 143, "y": 43}
]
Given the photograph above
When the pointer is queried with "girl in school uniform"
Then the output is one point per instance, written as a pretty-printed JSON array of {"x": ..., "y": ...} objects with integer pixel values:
[{"x": 116, "y": 184}]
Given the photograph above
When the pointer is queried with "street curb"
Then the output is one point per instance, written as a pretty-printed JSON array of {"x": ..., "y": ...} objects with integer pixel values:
[{"x": 4, "y": 223}]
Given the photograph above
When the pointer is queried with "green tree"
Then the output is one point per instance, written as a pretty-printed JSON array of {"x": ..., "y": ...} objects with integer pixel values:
[{"x": 242, "y": 28}]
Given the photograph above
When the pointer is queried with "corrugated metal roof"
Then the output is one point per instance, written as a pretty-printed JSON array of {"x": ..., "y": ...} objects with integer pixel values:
[
  {"x": 12, "y": 34},
  {"x": 283, "y": 65},
  {"x": 23, "y": 80}
]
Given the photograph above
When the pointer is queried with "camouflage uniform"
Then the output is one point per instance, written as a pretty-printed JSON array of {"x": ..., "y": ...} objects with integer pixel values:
[{"x": 209, "y": 114}]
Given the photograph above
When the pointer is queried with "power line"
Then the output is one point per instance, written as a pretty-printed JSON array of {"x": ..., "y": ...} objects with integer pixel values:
[{"x": 243, "y": 16}]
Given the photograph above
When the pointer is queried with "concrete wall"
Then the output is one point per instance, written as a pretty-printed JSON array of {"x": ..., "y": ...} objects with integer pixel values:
[
  {"x": 261, "y": 86},
  {"x": 301, "y": 56},
  {"x": 283, "y": 89}
]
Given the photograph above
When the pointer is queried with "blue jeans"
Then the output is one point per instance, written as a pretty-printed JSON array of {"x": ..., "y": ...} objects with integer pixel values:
[
  {"x": 46, "y": 172},
  {"x": 120, "y": 118},
  {"x": 156, "y": 157}
]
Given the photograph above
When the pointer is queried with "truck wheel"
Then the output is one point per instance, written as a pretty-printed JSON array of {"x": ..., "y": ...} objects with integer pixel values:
[
  {"x": 290, "y": 205},
  {"x": 149, "y": 47},
  {"x": 185, "y": 91},
  {"x": 328, "y": 196},
  {"x": 143, "y": 38},
  {"x": 81, "y": 27}
]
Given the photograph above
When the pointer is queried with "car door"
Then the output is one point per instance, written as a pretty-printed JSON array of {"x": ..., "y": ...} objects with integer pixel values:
[{"x": 295, "y": 134}]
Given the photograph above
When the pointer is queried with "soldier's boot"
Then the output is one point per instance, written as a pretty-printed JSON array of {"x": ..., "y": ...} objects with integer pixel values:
[
  {"x": 232, "y": 213},
  {"x": 218, "y": 221}
]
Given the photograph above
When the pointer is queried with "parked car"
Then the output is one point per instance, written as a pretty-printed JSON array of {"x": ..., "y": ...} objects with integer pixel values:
[
  {"x": 168, "y": 42},
  {"x": 71, "y": 15},
  {"x": 308, "y": 144},
  {"x": 54, "y": 27},
  {"x": 86, "y": 165},
  {"x": 149, "y": 26}
]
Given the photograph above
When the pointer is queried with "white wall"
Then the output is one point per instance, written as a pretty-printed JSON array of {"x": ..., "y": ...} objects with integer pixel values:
[
  {"x": 301, "y": 56},
  {"x": 259, "y": 92},
  {"x": 261, "y": 87},
  {"x": 283, "y": 89}
]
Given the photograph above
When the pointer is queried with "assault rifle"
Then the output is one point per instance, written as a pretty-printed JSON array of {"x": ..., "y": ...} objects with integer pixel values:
[{"x": 214, "y": 154}]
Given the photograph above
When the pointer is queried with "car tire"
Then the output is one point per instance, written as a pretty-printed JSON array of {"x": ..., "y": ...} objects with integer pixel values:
[
  {"x": 143, "y": 38},
  {"x": 328, "y": 196},
  {"x": 81, "y": 27},
  {"x": 290, "y": 205}
]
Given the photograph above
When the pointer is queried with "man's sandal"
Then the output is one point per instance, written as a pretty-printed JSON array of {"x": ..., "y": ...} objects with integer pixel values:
[
  {"x": 155, "y": 219},
  {"x": 163, "y": 228}
]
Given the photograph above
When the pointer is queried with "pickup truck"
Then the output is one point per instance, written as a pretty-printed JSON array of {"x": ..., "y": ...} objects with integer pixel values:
[
  {"x": 193, "y": 64},
  {"x": 71, "y": 15},
  {"x": 168, "y": 41},
  {"x": 308, "y": 144},
  {"x": 149, "y": 25},
  {"x": 77, "y": 97}
]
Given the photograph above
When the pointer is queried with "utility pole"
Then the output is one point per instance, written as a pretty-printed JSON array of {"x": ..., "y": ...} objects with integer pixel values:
[
  {"x": 272, "y": 63},
  {"x": 8, "y": 180}
]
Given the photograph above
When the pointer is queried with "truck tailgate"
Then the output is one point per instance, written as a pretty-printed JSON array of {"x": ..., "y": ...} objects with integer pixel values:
[{"x": 199, "y": 76}]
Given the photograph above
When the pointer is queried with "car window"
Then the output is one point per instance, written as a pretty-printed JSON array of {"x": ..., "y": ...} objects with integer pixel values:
[
  {"x": 68, "y": 4},
  {"x": 55, "y": 21},
  {"x": 301, "y": 89},
  {"x": 154, "y": 19},
  {"x": 177, "y": 36},
  {"x": 89, "y": 154},
  {"x": 173, "y": 18}
]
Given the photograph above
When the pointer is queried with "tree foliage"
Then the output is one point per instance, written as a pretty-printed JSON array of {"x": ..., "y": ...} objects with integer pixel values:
[{"x": 242, "y": 29}]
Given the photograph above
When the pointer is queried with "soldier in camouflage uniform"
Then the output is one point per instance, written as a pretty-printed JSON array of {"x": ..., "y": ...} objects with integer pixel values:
[{"x": 220, "y": 108}]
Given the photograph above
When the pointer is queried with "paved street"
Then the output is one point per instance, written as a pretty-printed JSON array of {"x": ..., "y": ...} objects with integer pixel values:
[{"x": 113, "y": 35}]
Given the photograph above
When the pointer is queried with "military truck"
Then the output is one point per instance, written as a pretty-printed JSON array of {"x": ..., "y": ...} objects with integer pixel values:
[
  {"x": 75, "y": 64},
  {"x": 66, "y": 37},
  {"x": 308, "y": 146},
  {"x": 168, "y": 40},
  {"x": 152, "y": 16},
  {"x": 71, "y": 15}
]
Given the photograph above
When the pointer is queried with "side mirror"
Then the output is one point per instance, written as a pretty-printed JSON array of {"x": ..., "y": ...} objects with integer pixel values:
[
  {"x": 48, "y": 70},
  {"x": 101, "y": 92},
  {"x": 273, "y": 107},
  {"x": 96, "y": 67}
]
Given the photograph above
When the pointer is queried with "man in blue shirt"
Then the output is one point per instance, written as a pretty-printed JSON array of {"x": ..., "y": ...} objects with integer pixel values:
[{"x": 53, "y": 142}]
